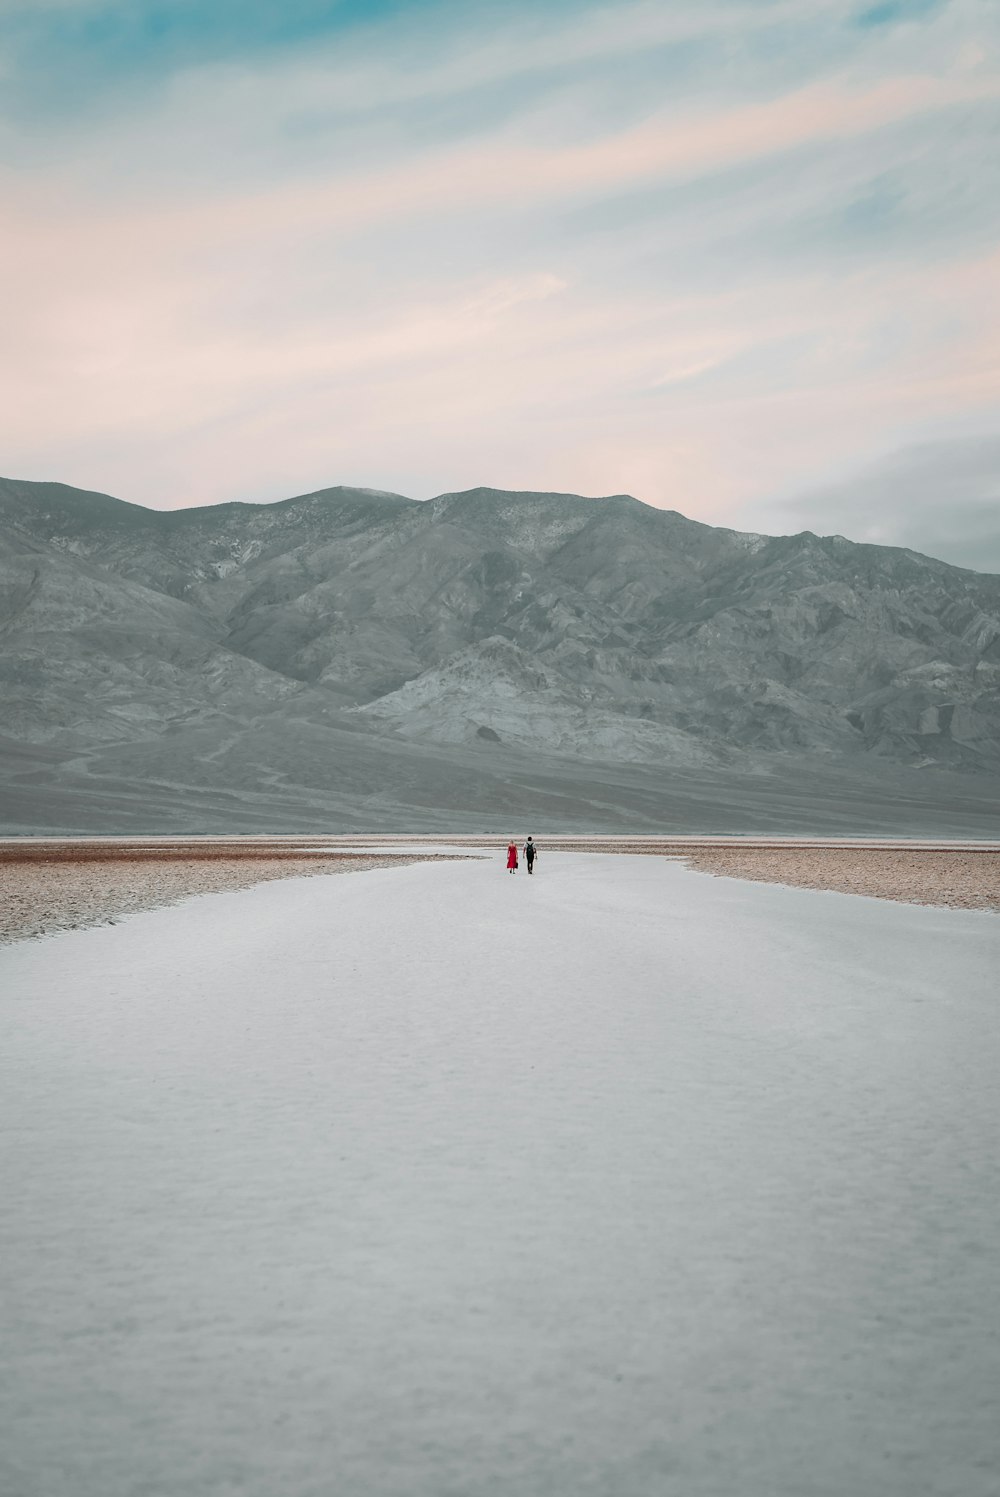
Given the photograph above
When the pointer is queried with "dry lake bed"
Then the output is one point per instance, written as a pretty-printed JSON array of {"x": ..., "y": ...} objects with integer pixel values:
[
  {"x": 54, "y": 884},
  {"x": 433, "y": 1182}
]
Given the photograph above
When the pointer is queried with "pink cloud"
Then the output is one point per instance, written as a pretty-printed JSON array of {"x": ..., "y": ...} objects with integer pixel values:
[{"x": 188, "y": 329}]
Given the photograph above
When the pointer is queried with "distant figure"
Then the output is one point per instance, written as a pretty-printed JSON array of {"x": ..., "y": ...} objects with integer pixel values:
[
  {"x": 529, "y": 855},
  {"x": 512, "y": 857}
]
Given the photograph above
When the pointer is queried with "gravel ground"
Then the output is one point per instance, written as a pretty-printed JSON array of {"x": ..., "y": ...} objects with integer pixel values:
[
  {"x": 40, "y": 898},
  {"x": 960, "y": 880}
]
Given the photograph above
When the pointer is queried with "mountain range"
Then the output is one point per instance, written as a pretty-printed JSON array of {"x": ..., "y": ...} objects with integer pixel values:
[{"x": 356, "y": 659}]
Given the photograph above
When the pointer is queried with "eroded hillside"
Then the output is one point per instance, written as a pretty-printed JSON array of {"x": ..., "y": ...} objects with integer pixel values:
[{"x": 597, "y": 630}]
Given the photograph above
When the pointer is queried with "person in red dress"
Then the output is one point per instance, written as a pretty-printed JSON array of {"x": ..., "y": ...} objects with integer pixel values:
[{"x": 512, "y": 857}]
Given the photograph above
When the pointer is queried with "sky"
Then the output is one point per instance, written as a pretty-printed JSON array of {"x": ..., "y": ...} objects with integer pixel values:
[{"x": 739, "y": 258}]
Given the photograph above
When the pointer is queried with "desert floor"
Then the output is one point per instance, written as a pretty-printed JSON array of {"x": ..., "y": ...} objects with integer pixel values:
[
  {"x": 438, "y": 1182},
  {"x": 53, "y": 884}
]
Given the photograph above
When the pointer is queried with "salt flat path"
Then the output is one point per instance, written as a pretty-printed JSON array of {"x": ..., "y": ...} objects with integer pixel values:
[{"x": 436, "y": 1182}]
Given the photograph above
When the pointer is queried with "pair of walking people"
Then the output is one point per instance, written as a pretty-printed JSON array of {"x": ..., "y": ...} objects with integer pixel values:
[{"x": 529, "y": 856}]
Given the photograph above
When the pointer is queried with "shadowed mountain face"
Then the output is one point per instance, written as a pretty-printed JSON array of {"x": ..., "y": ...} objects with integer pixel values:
[{"x": 483, "y": 627}]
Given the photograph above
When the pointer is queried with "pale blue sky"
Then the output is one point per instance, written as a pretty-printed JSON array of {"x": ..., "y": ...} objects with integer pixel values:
[{"x": 720, "y": 255}]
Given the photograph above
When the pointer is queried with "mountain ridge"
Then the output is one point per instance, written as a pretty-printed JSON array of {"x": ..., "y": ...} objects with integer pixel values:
[
  {"x": 191, "y": 514},
  {"x": 651, "y": 639}
]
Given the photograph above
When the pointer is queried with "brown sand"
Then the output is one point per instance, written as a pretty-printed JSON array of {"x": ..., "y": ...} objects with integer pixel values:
[
  {"x": 961, "y": 880},
  {"x": 40, "y": 896}
]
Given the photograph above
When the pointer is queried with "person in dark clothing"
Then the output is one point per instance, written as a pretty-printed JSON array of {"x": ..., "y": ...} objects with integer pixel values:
[{"x": 529, "y": 855}]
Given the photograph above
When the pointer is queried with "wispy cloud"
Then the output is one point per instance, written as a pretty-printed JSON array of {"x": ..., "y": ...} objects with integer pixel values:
[{"x": 706, "y": 253}]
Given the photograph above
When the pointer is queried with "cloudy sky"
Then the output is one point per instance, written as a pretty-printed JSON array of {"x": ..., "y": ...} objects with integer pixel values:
[{"x": 737, "y": 257}]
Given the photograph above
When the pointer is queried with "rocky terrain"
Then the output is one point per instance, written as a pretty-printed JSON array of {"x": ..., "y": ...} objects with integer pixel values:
[
  {"x": 955, "y": 878},
  {"x": 79, "y": 884},
  {"x": 370, "y": 661}
]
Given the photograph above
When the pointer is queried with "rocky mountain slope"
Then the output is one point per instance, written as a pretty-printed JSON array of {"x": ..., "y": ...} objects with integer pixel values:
[{"x": 597, "y": 631}]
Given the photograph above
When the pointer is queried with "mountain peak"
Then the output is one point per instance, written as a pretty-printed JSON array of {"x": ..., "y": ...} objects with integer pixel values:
[{"x": 58, "y": 508}]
